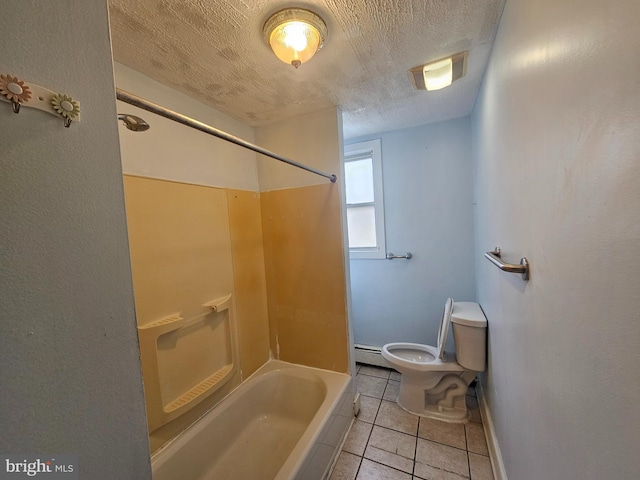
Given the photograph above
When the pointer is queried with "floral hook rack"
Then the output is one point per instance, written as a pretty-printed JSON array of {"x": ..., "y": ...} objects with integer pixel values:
[{"x": 20, "y": 93}]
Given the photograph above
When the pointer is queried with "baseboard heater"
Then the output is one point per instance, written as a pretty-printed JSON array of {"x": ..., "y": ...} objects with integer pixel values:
[{"x": 370, "y": 355}]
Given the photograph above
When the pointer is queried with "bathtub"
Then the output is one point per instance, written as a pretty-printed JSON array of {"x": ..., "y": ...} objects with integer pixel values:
[{"x": 284, "y": 422}]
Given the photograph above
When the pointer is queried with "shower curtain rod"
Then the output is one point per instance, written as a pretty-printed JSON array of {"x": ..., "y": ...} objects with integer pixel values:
[{"x": 203, "y": 127}]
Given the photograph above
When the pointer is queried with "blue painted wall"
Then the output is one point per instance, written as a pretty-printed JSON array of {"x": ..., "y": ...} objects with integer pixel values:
[
  {"x": 557, "y": 179},
  {"x": 428, "y": 197}
]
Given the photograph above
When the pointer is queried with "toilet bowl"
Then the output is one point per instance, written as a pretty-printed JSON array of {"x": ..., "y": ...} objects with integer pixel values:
[{"x": 434, "y": 382}]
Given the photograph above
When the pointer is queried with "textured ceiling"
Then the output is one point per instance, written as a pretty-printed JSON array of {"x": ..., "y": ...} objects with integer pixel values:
[{"x": 213, "y": 50}]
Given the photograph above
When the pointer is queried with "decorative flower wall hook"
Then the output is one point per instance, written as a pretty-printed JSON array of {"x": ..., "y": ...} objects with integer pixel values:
[
  {"x": 66, "y": 106},
  {"x": 14, "y": 90}
]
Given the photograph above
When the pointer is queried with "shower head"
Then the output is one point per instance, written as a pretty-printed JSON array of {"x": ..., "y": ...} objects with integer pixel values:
[{"x": 133, "y": 123}]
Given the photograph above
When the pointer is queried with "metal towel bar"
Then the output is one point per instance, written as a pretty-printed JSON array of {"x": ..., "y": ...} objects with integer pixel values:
[
  {"x": 391, "y": 256},
  {"x": 523, "y": 268}
]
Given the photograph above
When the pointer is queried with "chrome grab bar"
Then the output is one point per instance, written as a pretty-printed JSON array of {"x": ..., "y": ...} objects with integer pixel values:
[
  {"x": 391, "y": 256},
  {"x": 495, "y": 258}
]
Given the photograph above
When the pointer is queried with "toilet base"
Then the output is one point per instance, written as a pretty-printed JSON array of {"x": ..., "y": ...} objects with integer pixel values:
[{"x": 445, "y": 400}]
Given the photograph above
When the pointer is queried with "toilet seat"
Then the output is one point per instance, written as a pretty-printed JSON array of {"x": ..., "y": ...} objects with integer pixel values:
[
  {"x": 443, "y": 331},
  {"x": 418, "y": 357}
]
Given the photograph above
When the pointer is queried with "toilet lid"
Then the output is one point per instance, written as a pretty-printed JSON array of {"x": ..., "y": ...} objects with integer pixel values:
[{"x": 443, "y": 331}]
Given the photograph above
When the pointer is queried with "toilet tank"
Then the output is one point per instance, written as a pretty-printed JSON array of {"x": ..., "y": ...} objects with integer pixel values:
[{"x": 470, "y": 335}]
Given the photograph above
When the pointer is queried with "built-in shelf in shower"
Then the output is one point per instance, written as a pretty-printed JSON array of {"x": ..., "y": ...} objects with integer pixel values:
[
  {"x": 200, "y": 389},
  {"x": 162, "y": 326},
  {"x": 185, "y": 360}
]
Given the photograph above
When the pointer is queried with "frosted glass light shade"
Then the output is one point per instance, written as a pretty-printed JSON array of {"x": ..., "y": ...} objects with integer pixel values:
[
  {"x": 438, "y": 75},
  {"x": 295, "y": 35}
]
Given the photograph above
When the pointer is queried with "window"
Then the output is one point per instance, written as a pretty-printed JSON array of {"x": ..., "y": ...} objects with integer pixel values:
[{"x": 365, "y": 208}]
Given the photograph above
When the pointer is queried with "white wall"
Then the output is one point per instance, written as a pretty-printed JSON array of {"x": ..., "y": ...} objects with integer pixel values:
[
  {"x": 171, "y": 151},
  {"x": 428, "y": 196},
  {"x": 557, "y": 178},
  {"x": 70, "y": 369}
]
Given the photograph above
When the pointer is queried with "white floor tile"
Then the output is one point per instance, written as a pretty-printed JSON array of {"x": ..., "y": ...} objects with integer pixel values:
[
  {"x": 392, "y": 391},
  {"x": 391, "y": 448},
  {"x": 442, "y": 432},
  {"x": 374, "y": 471},
  {"x": 374, "y": 371},
  {"x": 368, "y": 408},
  {"x": 476, "y": 441},
  {"x": 480, "y": 467},
  {"x": 371, "y": 386},
  {"x": 390, "y": 415},
  {"x": 401, "y": 446},
  {"x": 427, "y": 472},
  {"x": 357, "y": 438},
  {"x": 441, "y": 457},
  {"x": 346, "y": 468}
]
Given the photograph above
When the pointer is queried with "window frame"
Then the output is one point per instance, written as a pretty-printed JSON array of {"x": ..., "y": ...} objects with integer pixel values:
[{"x": 355, "y": 151}]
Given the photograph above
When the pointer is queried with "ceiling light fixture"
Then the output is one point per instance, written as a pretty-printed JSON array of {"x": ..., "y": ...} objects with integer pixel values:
[
  {"x": 439, "y": 74},
  {"x": 295, "y": 35}
]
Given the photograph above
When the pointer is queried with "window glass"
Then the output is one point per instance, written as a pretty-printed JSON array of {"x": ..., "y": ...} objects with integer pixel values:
[
  {"x": 361, "y": 223},
  {"x": 364, "y": 202},
  {"x": 359, "y": 181}
]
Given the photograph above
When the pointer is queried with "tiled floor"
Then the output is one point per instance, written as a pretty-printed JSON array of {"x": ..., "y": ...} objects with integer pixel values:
[{"x": 388, "y": 443}]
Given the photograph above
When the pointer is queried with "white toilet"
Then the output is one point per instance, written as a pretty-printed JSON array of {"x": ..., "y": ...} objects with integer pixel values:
[{"x": 434, "y": 383}]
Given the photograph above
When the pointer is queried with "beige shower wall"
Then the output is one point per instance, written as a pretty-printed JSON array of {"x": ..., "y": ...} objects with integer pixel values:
[
  {"x": 249, "y": 278},
  {"x": 303, "y": 240},
  {"x": 180, "y": 246},
  {"x": 305, "y": 276},
  {"x": 191, "y": 244}
]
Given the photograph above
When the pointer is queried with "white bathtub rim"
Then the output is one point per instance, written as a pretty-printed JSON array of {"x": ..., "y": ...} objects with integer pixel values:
[
  {"x": 296, "y": 458},
  {"x": 268, "y": 366},
  {"x": 295, "y": 461}
]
